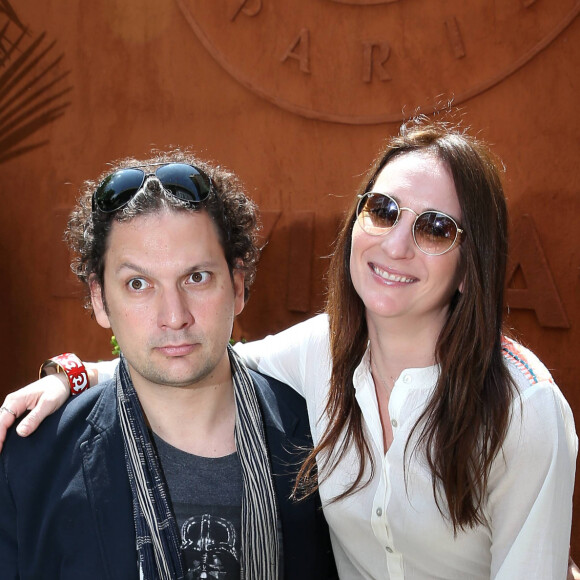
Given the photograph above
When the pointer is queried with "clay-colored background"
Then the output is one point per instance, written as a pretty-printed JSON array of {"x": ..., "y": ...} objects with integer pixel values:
[{"x": 140, "y": 77}]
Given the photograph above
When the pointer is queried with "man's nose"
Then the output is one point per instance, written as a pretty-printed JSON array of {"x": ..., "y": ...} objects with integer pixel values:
[{"x": 174, "y": 310}]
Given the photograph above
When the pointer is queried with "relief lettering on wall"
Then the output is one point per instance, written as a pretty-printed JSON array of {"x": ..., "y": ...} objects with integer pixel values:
[
  {"x": 375, "y": 56},
  {"x": 454, "y": 35},
  {"x": 299, "y": 50},
  {"x": 258, "y": 41},
  {"x": 248, "y": 7},
  {"x": 527, "y": 259},
  {"x": 269, "y": 220},
  {"x": 33, "y": 86}
]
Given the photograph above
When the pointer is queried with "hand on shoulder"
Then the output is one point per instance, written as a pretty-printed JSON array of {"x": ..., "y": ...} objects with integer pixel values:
[{"x": 41, "y": 398}]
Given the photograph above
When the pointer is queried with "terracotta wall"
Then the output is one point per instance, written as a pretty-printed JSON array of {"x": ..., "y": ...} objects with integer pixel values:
[{"x": 296, "y": 100}]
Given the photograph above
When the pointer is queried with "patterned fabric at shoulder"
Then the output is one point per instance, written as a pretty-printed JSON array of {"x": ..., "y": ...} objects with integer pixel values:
[{"x": 529, "y": 365}]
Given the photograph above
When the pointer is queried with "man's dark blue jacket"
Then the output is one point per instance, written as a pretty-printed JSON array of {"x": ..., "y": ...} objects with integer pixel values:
[{"x": 65, "y": 501}]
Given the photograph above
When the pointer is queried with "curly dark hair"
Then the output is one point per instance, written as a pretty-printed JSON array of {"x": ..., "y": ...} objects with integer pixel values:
[{"x": 234, "y": 214}]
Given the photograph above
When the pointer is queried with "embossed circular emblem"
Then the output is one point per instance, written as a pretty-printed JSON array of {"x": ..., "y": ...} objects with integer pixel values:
[{"x": 373, "y": 61}]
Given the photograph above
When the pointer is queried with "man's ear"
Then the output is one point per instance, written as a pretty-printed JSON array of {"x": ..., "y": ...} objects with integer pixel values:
[
  {"x": 98, "y": 302},
  {"x": 238, "y": 279}
]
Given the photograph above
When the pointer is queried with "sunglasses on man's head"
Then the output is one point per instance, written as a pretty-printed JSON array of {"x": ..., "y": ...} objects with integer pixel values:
[
  {"x": 183, "y": 181},
  {"x": 434, "y": 232}
]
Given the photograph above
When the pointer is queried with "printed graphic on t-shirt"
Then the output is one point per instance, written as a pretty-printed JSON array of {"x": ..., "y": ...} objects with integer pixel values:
[{"x": 210, "y": 542}]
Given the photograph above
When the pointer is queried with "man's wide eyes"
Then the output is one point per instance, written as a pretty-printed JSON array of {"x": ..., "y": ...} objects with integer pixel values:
[
  {"x": 138, "y": 284},
  {"x": 198, "y": 277}
]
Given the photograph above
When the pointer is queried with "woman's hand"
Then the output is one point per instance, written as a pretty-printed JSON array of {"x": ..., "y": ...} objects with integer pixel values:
[{"x": 41, "y": 398}]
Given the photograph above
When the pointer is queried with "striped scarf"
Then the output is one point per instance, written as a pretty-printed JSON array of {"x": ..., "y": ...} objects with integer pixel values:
[{"x": 158, "y": 542}]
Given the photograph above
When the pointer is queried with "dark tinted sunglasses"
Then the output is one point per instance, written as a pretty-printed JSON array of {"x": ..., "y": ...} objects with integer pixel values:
[
  {"x": 183, "y": 181},
  {"x": 434, "y": 232}
]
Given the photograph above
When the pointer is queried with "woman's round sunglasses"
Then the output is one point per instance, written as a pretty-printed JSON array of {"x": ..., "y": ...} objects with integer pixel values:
[
  {"x": 434, "y": 232},
  {"x": 183, "y": 181}
]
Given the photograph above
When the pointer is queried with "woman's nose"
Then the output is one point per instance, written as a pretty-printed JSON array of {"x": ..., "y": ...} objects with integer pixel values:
[{"x": 399, "y": 242}]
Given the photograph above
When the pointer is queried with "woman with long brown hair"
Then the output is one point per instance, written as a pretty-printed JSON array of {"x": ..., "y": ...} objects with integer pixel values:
[{"x": 442, "y": 448}]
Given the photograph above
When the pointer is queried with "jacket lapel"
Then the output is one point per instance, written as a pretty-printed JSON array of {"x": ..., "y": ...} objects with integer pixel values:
[{"x": 108, "y": 489}]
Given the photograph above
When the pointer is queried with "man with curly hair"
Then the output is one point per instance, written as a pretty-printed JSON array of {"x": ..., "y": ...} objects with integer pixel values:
[{"x": 182, "y": 465}]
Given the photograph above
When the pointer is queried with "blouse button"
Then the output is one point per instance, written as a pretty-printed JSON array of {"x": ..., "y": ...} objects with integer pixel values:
[
  {"x": 389, "y": 550},
  {"x": 379, "y": 512},
  {"x": 394, "y": 423},
  {"x": 407, "y": 379}
]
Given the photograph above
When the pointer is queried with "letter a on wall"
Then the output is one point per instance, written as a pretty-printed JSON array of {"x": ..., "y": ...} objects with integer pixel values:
[{"x": 540, "y": 293}]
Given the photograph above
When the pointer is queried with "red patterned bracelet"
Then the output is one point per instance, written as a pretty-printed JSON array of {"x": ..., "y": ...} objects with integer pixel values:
[{"x": 74, "y": 369}]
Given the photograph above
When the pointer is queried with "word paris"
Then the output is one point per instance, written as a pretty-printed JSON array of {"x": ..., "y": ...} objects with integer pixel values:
[{"x": 374, "y": 61}]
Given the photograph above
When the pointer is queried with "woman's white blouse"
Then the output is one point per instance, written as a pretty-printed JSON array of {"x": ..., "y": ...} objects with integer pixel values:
[{"x": 392, "y": 528}]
